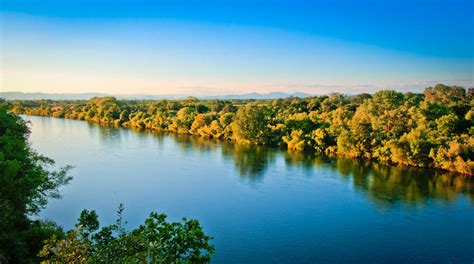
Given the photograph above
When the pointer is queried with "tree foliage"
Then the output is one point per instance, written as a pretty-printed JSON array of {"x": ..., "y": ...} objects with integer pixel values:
[
  {"x": 389, "y": 126},
  {"x": 27, "y": 181},
  {"x": 156, "y": 241}
]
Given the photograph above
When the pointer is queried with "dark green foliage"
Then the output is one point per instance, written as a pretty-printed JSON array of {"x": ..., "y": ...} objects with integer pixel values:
[
  {"x": 156, "y": 241},
  {"x": 434, "y": 129},
  {"x": 88, "y": 221},
  {"x": 26, "y": 182}
]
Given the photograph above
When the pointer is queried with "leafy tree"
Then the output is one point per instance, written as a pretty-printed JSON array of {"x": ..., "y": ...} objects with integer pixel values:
[
  {"x": 447, "y": 124},
  {"x": 413, "y": 148},
  {"x": 295, "y": 141},
  {"x": 183, "y": 120},
  {"x": 251, "y": 124},
  {"x": 445, "y": 95},
  {"x": 26, "y": 183},
  {"x": 156, "y": 241}
]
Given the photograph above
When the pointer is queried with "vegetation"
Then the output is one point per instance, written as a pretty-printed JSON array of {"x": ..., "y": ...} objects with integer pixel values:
[
  {"x": 26, "y": 184},
  {"x": 157, "y": 241},
  {"x": 433, "y": 129}
]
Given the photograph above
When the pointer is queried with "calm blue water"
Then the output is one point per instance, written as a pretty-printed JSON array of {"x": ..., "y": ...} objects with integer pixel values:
[{"x": 262, "y": 205}]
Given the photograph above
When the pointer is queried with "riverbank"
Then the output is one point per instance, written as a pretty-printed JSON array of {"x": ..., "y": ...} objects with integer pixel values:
[{"x": 430, "y": 130}]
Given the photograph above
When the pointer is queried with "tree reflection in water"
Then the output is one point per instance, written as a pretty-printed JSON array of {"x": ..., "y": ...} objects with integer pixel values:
[
  {"x": 389, "y": 185},
  {"x": 385, "y": 184},
  {"x": 251, "y": 161}
]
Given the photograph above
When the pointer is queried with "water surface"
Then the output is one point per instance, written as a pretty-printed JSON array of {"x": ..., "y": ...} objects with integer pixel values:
[{"x": 262, "y": 205}]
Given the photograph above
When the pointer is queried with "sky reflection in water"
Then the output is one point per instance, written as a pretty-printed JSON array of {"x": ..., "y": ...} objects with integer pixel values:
[{"x": 262, "y": 205}]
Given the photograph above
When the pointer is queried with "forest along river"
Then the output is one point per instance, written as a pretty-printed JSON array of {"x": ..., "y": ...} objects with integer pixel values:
[{"x": 262, "y": 205}]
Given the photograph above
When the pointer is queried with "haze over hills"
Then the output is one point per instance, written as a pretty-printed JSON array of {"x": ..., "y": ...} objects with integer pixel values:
[
  {"x": 52, "y": 96},
  {"x": 87, "y": 96}
]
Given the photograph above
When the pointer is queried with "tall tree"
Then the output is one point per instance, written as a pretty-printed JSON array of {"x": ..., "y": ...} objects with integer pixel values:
[{"x": 26, "y": 184}]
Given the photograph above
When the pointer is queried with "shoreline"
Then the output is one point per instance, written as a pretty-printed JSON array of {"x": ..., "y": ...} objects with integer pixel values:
[{"x": 224, "y": 140}]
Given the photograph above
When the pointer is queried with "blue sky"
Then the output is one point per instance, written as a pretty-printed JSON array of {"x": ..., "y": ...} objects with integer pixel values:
[{"x": 219, "y": 47}]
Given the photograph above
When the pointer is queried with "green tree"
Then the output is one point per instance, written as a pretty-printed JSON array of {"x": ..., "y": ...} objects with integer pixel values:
[
  {"x": 156, "y": 241},
  {"x": 251, "y": 124},
  {"x": 26, "y": 183},
  {"x": 447, "y": 124}
]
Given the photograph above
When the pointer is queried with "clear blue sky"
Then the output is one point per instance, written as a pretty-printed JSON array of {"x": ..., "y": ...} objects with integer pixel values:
[{"x": 216, "y": 47}]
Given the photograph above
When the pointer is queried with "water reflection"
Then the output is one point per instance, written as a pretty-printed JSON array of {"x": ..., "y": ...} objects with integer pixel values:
[
  {"x": 384, "y": 184},
  {"x": 390, "y": 185},
  {"x": 250, "y": 161},
  {"x": 193, "y": 143},
  {"x": 109, "y": 134}
]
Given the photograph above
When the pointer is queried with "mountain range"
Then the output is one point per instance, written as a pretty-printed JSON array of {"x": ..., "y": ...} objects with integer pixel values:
[{"x": 87, "y": 96}]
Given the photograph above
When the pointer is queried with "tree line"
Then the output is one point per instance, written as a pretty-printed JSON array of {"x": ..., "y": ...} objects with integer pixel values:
[
  {"x": 433, "y": 129},
  {"x": 28, "y": 180}
]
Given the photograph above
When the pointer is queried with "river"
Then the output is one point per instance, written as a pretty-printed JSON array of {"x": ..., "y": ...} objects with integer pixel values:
[{"x": 262, "y": 205}]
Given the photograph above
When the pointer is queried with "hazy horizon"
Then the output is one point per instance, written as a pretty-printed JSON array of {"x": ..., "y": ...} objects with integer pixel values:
[
  {"x": 211, "y": 48},
  {"x": 415, "y": 89}
]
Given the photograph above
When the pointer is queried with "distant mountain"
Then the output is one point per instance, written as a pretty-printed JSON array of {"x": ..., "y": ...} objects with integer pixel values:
[
  {"x": 274, "y": 95},
  {"x": 87, "y": 96},
  {"x": 51, "y": 96}
]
